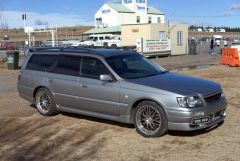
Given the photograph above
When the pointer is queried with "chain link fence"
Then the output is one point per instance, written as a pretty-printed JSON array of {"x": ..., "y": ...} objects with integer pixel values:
[{"x": 203, "y": 47}]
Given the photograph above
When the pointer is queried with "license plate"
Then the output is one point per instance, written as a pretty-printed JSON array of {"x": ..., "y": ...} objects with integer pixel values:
[{"x": 201, "y": 120}]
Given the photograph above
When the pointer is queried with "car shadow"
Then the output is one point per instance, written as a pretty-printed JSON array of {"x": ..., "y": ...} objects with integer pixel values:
[
  {"x": 131, "y": 126},
  {"x": 99, "y": 120},
  {"x": 94, "y": 119},
  {"x": 195, "y": 133},
  {"x": 33, "y": 106}
]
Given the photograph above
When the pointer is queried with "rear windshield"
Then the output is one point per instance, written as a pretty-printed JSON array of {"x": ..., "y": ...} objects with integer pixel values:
[{"x": 40, "y": 62}]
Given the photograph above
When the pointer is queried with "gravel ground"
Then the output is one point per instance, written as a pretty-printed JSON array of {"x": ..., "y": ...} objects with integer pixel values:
[
  {"x": 188, "y": 61},
  {"x": 25, "y": 135}
]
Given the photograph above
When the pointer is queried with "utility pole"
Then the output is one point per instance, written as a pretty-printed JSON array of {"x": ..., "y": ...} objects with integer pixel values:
[
  {"x": 169, "y": 29},
  {"x": 72, "y": 33}
]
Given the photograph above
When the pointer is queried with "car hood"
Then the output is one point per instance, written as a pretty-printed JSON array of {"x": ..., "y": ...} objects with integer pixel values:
[{"x": 180, "y": 84}]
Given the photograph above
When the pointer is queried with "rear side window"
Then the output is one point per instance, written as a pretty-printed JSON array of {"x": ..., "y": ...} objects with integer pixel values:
[
  {"x": 93, "y": 68},
  {"x": 67, "y": 65},
  {"x": 40, "y": 62}
]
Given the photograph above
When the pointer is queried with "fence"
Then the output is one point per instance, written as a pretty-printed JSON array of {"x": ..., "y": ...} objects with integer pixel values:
[{"x": 203, "y": 48}]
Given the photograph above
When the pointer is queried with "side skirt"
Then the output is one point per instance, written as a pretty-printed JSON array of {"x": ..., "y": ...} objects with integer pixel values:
[{"x": 122, "y": 119}]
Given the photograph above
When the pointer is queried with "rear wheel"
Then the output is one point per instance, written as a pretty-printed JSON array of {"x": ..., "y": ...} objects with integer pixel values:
[
  {"x": 113, "y": 46},
  {"x": 45, "y": 103},
  {"x": 150, "y": 119}
]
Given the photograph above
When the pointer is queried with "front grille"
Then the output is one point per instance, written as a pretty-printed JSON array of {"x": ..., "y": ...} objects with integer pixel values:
[
  {"x": 213, "y": 117},
  {"x": 213, "y": 98},
  {"x": 219, "y": 113}
]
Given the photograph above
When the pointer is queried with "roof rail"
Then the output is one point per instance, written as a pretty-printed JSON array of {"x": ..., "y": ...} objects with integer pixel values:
[
  {"x": 61, "y": 49},
  {"x": 77, "y": 49},
  {"x": 46, "y": 49},
  {"x": 105, "y": 47}
]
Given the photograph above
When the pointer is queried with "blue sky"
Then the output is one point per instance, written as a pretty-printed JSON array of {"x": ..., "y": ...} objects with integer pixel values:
[{"x": 81, "y": 12}]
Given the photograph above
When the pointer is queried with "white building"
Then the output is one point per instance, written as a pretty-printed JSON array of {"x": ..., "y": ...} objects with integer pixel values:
[{"x": 129, "y": 12}]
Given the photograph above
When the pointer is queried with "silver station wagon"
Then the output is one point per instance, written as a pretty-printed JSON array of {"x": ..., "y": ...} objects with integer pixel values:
[{"x": 122, "y": 86}]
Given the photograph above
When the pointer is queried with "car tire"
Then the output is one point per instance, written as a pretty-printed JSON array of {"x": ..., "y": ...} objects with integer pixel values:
[
  {"x": 45, "y": 103},
  {"x": 114, "y": 46},
  {"x": 150, "y": 119}
]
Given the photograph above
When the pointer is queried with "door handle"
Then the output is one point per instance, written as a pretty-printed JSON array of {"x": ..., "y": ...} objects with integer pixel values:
[
  {"x": 50, "y": 81},
  {"x": 83, "y": 85}
]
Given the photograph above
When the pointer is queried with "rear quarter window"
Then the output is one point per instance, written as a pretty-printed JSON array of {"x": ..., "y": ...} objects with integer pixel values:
[{"x": 40, "y": 62}]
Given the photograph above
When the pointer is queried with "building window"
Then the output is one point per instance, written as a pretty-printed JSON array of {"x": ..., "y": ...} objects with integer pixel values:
[
  {"x": 159, "y": 20},
  {"x": 149, "y": 19},
  {"x": 138, "y": 19},
  {"x": 179, "y": 37},
  {"x": 127, "y": 1},
  {"x": 99, "y": 21},
  {"x": 140, "y": 1},
  {"x": 162, "y": 35}
]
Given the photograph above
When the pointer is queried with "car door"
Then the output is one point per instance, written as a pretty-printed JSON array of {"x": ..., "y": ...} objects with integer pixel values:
[
  {"x": 63, "y": 80},
  {"x": 94, "y": 94}
]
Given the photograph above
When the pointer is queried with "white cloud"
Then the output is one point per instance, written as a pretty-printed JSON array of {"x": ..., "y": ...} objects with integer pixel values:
[
  {"x": 235, "y": 6},
  {"x": 14, "y": 19},
  {"x": 226, "y": 14}
]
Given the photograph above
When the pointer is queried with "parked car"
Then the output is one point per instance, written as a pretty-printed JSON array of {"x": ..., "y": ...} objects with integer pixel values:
[
  {"x": 209, "y": 30},
  {"x": 122, "y": 86},
  {"x": 220, "y": 30},
  {"x": 218, "y": 39},
  {"x": 6, "y": 45},
  {"x": 77, "y": 43}
]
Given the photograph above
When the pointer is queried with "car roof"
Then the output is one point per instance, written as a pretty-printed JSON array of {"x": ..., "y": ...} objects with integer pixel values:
[{"x": 77, "y": 51}]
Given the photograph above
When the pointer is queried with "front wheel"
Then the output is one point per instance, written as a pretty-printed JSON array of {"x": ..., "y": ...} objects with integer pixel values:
[
  {"x": 150, "y": 119},
  {"x": 45, "y": 102}
]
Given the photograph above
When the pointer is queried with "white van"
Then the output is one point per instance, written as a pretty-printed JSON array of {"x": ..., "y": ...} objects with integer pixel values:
[
  {"x": 218, "y": 39},
  {"x": 105, "y": 40}
]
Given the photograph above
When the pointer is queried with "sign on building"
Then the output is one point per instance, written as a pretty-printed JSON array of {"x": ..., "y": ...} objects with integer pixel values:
[{"x": 154, "y": 46}]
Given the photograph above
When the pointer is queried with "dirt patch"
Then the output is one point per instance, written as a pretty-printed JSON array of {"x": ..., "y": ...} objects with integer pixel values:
[
  {"x": 2, "y": 65},
  {"x": 25, "y": 135},
  {"x": 177, "y": 62}
]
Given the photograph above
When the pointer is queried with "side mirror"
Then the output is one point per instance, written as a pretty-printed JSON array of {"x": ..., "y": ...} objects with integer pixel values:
[{"x": 106, "y": 78}]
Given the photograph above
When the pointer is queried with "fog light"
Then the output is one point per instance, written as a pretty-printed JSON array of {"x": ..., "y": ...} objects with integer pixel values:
[{"x": 224, "y": 113}]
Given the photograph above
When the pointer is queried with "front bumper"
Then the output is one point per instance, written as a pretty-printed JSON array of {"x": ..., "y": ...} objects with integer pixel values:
[{"x": 184, "y": 120}]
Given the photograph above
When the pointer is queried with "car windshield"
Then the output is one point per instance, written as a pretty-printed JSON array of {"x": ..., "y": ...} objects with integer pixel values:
[
  {"x": 134, "y": 66},
  {"x": 89, "y": 38}
]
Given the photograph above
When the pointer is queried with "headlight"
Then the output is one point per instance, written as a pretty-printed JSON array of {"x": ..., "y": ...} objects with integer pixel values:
[{"x": 190, "y": 102}]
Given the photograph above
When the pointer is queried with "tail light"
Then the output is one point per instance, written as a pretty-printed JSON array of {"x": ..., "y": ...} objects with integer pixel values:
[{"x": 19, "y": 76}]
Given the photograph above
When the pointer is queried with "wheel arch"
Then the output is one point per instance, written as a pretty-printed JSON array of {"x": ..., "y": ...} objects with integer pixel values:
[
  {"x": 135, "y": 104},
  {"x": 37, "y": 88}
]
